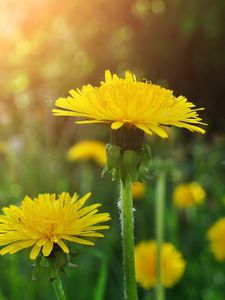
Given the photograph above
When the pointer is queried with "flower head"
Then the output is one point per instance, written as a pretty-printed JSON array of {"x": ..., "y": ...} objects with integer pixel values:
[
  {"x": 138, "y": 190},
  {"x": 126, "y": 101},
  {"x": 173, "y": 264},
  {"x": 188, "y": 195},
  {"x": 88, "y": 149},
  {"x": 216, "y": 235},
  {"x": 48, "y": 221}
]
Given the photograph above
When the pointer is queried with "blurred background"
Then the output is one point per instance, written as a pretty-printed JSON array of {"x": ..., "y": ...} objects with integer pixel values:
[{"x": 50, "y": 47}]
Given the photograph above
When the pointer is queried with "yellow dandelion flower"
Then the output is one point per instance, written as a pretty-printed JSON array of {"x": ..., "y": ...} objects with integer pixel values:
[
  {"x": 216, "y": 235},
  {"x": 88, "y": 149},
  {"x": 138, "y": 190},
  {"x": 188, "y": 195},
  {"x": 126, "y": 101},
  {"x": 173, "y": 265},
  {"x": 48, "y": 221}
]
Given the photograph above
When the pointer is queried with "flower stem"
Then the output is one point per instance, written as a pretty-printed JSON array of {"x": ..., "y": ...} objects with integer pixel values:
[
  {"x": 159, "y": 215},
  {"x": 148, "y": 295},
  {"x": 127, "y": 231},
  {"x": 60, "y": 295}
]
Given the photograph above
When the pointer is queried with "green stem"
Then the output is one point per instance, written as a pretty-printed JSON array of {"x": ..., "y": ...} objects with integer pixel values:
[
  {"x": 101, "y": 283},
  {"x": 86, "y": 178},
  {"x": 127, "y": 231},
  {"x": 60, "y": 295},
  {"x": 148, "y": 295},
  {"x": 159, "y": 215}
]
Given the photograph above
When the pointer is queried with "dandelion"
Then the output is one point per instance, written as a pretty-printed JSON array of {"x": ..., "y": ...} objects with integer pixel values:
[
  {"x": 172, "y": 264},
  {"x": 88, "y": 149},
  {"x": 216, "y": 235},
  {"x": 138, "y": 190},
  {"x": 188, "y": 195},
  {"x": 131, "y": 108},
  {"x": 126, "y": 101},
  {"x": 48, "y": 222}
]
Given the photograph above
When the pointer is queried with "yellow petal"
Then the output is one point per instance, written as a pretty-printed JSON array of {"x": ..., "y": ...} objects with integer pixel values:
[
  {"x": 129, "y": 76},
  {"x": 117, "y": 124},
  {"x": 144, "y": 128},
  {"x": 6, "y": 249},
  {"x": 15, "y": 247},
  {"x": 158, "y": 130},
  {"x": 100, "y": 227},
  {"x": 41, "y": 242},
  {"x": 47, "y": 248},
  {"x": 82, "y": 200},
  {"x": 35, "y": 251},
  {"x": 77, "y": 240},
  {"x": 90, "y": 121},
  {"x": 21, "y": 245},
  {"x": 90, "y": 208},
  {"x": 93, "y": 234},
  {"x": 108, "y": 76},
  {"x": 63, "y": 246}
]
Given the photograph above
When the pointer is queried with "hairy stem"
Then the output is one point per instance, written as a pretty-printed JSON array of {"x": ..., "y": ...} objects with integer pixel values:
[
  {"x": 127, "y": 231},
  {"x": 60, "y": 295}
]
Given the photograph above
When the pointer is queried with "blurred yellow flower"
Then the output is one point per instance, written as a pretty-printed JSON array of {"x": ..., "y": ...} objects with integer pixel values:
[
  {"x": 88, "y": 149},
  {"x": 216, "y": 235},
  {"x": 47, "y": 221},
  {"x": 126, "y": 101},
  {"x": 188, "y": 195},
  {"x": 138, "y": 190},
  {"x": 173, "y": 265}
]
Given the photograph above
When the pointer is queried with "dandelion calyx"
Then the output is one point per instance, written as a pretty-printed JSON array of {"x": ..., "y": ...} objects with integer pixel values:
[{"x": 127, "y": 163}]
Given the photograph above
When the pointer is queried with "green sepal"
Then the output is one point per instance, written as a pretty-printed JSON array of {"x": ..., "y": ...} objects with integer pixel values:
[
  {"x": 113, "y": 155},
  {"x": 53, "y": 268},
  {"x": 132, "y": 163},
  {"x": 61, "y": 260},
  {"x": 36, "y": 268},
  {"x": 57, "y": 262}
]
